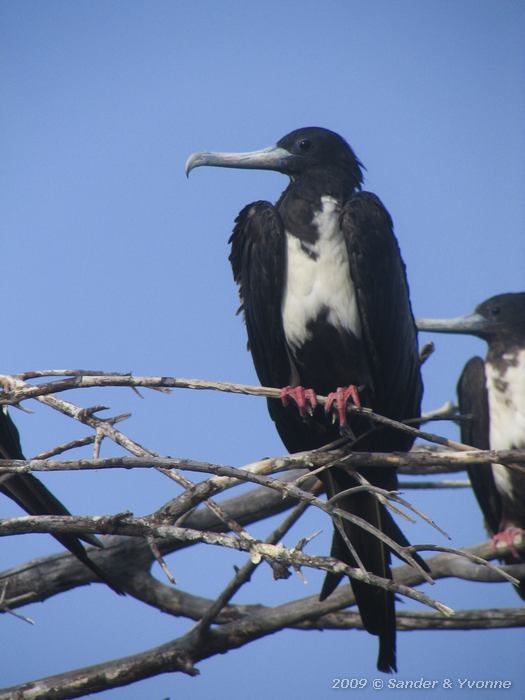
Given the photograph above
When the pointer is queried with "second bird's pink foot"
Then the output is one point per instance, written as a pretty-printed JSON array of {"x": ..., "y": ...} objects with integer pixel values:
[{"x": 509, "y": 537}]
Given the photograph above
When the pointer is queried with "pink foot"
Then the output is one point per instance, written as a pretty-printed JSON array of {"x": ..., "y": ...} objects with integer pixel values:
[
  {"x": 508, "y": 537},
  {"x": 340, "y": 397},
  {"x": 305, "y": 399}
]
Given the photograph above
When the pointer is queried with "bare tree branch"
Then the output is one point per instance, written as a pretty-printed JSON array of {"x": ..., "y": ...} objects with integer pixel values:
[
  {"x": 81, "y": 442},
  {"x": 47, "y": 576},
  {"x": 443, "y": 484},
  {"x": 122, "y": 524},
  {"x": 497, "y": 618},
  {"x": 20, "y": 391},
  {"x": 133, "y": 544},
  {"x": 415, "y": 462},
  {"x": 243, "y": 575},
  {"x": 115, "y": 524},
  {"x": 179, "y": 655}
]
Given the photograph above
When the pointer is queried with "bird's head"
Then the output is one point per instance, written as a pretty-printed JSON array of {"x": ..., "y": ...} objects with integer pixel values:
[
  {"x": 298, "y": 153},
  {"x": 504, "y": 313},
  {"x": 499, "y": 316}
]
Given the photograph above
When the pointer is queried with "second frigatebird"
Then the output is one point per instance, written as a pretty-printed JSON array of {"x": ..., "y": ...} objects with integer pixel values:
[
  {"x": 491, "y": 392},
  {"x": 326, "y": 303}
]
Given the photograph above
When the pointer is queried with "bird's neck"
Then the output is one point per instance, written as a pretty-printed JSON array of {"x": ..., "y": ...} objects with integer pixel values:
[
  {"x": 505, "y": 349},
  {"x": 303, "y": 199},
  {"x": 318, "y": 182}
]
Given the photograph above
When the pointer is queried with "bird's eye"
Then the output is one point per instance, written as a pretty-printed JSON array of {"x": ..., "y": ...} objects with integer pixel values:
[
  {"x": 495, "y": 310},
  {"x": 305, "y": 144}
]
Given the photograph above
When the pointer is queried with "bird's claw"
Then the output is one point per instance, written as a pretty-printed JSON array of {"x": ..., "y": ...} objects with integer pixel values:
[
  {"x": 509, "y": 538},
  {"x": 340, "y": 398},
  {"x": 305, "y": 399}
]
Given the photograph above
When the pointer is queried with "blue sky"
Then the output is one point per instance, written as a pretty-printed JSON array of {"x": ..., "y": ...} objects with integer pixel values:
[{"x": 111, "y": 259}]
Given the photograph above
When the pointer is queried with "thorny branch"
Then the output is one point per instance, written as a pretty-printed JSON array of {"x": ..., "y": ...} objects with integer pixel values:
[
  {"x": 241, "y": 626},
  {"x": 17, "y": 390},
  {"x": 136, "y": 542}
]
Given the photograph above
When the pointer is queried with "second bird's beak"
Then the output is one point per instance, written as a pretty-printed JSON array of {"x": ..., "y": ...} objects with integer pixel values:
[{"x": 471, "y": 324}]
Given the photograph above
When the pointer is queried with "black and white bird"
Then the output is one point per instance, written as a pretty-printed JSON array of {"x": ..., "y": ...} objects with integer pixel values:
[
  {"x": 492, "y": 393},
  {"x": 33, "y": 497},
  {"x": 326, "y": 303}
]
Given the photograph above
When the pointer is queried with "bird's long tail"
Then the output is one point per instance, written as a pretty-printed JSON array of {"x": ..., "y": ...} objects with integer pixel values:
[{"x": 376, "y": 605}]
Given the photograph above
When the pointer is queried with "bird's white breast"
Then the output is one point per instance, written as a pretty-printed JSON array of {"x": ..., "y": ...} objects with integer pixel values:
[
  {"x": 318, "y": 279},
  {"x": 506, "y": 392}
]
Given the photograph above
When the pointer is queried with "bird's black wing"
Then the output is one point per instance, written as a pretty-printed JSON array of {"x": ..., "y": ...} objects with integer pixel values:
[
  {"x": 257, "y": 258},
  {"x": 389, "y": 331},
  {"x": 33, "y": 497},
  {"x": 473, "y": 402},
  {"x": 10, "y": 447}
]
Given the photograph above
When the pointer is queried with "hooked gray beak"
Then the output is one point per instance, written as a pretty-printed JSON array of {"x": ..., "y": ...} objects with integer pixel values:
[
  {"x": 472, "y": 324},
  {"x": 273, "y": 158}
]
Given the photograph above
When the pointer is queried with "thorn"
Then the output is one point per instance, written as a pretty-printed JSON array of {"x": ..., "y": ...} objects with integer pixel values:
[
  {"x": 22, "y": 408},
  {"x": 119, "y": 418},
  {"x": 279, "y": 570},
  {"x": 7, "y": 609},
  {"x": 90, "y": 412},
  {"x": 426, "y": 351},
  {"x": 301, "y": 575},
  {"x": 160, "y": 559},
  {"x": 306, "y": 540},
  {"x": 97, "y": 443}
]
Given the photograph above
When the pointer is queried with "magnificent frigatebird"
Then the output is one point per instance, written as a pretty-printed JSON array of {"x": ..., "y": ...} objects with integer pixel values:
[
  {"x": 492, "y": 393},
  {"x": 31, "y": 495},
  {"x": 327, "y": 310}
]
